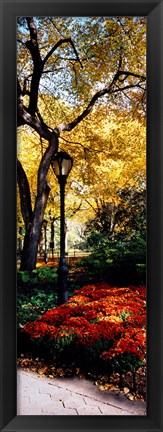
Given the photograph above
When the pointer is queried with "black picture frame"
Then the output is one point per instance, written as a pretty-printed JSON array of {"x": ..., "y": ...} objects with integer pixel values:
[{"x": 153, "y": 10}]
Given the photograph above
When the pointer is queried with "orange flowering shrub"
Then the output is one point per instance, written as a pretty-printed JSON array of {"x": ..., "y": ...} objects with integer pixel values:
[
  {"x": 104, "y": 323},
  {"x": 37, "y": 329},
  {"x": 132, "y": 341}
]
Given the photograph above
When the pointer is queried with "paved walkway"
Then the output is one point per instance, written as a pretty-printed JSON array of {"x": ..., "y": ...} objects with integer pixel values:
[{"x": 39, "y": 395}]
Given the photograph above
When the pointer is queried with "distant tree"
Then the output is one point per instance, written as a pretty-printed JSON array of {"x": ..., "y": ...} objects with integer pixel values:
[{"x": 124, "y": 220}]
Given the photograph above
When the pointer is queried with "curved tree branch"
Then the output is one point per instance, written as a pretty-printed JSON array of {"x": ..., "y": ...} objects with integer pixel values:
[
  {"x": 24, "y": 117},
  {"x": 38, "y": 64},
  {"x": 127, "y": 74},
  {"x": 59, "y": 43},
  {"x": 108, "y": 90}
]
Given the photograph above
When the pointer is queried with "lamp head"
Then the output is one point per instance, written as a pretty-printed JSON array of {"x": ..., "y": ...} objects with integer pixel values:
[{"x": 62, "y": 164}]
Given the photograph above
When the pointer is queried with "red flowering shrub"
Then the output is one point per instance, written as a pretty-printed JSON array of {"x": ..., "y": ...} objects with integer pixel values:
[
  {"x": 56, "y": 316},
  {"x": 37, "y": 329},
  {"x": 132, "y": 341},
  {"x": 99, "y": 323}
]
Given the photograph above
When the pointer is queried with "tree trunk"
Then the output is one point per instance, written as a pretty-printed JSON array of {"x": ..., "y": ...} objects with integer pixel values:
[
  {"x": 33, "y": 232},
  {"x": 29, "y": 254},
  {"x": 33, "y": 219}
]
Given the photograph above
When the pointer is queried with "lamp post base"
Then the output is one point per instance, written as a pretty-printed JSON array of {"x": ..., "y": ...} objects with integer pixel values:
[{"x": 62, "y": 282}]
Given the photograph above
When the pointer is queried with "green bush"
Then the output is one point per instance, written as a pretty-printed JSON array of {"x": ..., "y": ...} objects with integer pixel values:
[
  {"x": 40, "y": 275},
  {"x": 120, "y": 262},
  {"x": 32, "y": 304},
  {"x": 126, "y": 362}
]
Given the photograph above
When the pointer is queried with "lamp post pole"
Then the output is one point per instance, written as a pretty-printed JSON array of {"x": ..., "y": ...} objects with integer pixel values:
[
  {"x": 52, "y": 237},
  {"x": 52, "y": 219},
  {"x": 62, "y": 164},
  {"x": 62, "y": 269}
]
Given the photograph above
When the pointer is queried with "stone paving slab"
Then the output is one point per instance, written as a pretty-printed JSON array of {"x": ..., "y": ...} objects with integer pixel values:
[{"x": 40, "y": 395}]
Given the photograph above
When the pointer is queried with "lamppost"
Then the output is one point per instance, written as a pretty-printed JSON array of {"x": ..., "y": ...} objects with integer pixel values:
[
  {"x": 62, "y": 165},
  {"x": 45, "y": 222}
]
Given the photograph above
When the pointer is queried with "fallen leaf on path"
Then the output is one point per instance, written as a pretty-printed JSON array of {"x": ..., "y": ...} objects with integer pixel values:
[
  {"x": 110, "y": 387},
  {"x": 126, "y": 390},
  {"x": 42, "y": 370},
  {"x": 130, "y": 397}
]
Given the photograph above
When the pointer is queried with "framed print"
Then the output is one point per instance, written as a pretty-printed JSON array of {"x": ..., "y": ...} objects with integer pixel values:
[{"x": 13, "y": 113}]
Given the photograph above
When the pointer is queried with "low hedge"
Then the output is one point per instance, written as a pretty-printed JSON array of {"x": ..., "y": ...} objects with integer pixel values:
[{"x": 102, "y": 328}]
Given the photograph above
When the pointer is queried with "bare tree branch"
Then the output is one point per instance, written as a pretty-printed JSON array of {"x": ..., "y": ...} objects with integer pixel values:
[
  {"x": 32, "y": 44},
  {"x": 107, "y": 90},
  {"x": 33, "y": 47},
  {"x": 52, "y": 22},
  {"x": 59, "y": 43},
  {"x": 127, "y": 74},
  {"x": 35, "y": 123}
]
